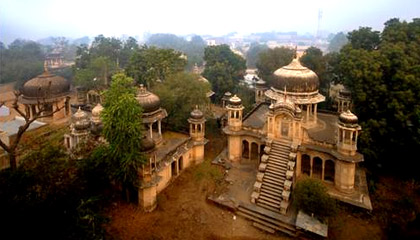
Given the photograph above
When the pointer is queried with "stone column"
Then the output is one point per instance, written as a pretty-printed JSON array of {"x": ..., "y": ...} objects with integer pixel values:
[
  {"x": 151, "y": 130},
  {"x": 323, "y": 170},
  {"x": 160, "y": 127},
  {"x": 315, "y": 113},
  {"x": 249, "y": 150}
]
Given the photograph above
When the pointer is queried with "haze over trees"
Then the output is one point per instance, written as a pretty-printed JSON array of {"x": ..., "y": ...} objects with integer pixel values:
[
  {"x": 252, "y": 56},
  {"x": 193, "y": 49},
  {"x": 337, "y": 42}
]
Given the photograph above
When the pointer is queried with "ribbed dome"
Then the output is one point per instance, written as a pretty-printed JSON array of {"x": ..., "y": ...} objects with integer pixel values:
[
  {"x": 295, "y": 78},
  {"x": 149, "y": 102},
  {"x": 260, "y": 82},
  {"x": 196, "y": 113},
  {"x": 46, "y": 85},
  {"x": 80, "y": 120},
  {"x": 147, "y": 144},
  {"x": 348, "y": 117}
]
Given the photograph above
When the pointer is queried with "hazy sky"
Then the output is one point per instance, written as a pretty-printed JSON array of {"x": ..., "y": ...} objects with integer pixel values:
[{"x": 34, "y": 19}]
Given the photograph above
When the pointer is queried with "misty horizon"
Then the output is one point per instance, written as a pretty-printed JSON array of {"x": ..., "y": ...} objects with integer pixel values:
[{"x": 40, "y": 19}]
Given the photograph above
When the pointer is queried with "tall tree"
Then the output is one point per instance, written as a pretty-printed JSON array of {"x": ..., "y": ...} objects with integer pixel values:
[
  {"x": 384, "y": 79},
  {"x": 149, "y": 64},
  {"x": 223, "y": 69},
  {"x": 272, "y": 59},
  {"x": 122, "y": 120},
  {"x": 179, "y": 94}
]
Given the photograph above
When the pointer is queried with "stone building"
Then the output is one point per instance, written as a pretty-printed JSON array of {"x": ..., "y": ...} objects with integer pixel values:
[
  {"x": 48, "y": 92},
  {"x": 286, "y": 136},
  {"x": 168, "y": 153}
]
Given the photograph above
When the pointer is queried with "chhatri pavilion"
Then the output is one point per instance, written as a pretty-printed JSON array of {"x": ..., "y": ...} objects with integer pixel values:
[{"x": 286, "y": 136}]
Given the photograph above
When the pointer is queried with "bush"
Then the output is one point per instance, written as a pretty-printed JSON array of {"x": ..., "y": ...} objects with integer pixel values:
[{"x": 310, "y": 196}]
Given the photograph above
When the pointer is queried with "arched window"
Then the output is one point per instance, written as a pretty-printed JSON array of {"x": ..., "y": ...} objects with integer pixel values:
[
  {"x": 317, "y": 168},
  {"x": 306, "y": 164},
  {"x": 329, "y": 171}
]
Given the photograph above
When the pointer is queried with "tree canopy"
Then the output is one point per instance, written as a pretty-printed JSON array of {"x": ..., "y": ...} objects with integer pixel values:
[
  {"x": 382, "y": 72},
  {"x": 223, "y": 69},
  {"x": 21, "y": 61},
  {"x": 122, "y": 120},
  {"x": 179, "y": 94},
  {"x": 150, "y": 64},
  {"x": 273, "y": 59},
  {"x": 337, "y": 42}
]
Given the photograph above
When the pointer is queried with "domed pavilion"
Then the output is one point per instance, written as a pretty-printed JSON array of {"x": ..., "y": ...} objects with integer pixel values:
[
  {"x": 49, "y": 93},
  {"x": 285, "y": 137}
]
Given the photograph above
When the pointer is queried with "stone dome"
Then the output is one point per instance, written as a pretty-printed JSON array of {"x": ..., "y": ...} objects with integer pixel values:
[
  {"x": 235, "y": 101},
  {"x": 147, "y": 144},
  {"x": 80, "y": 120},
  {"x": 197, "y": 113},
  {"x": 46, "y": 85},
  {"x": 295, "y": 78},
  {"x": 96, "y": 112},
  {"x": 260, "y": 83},
  {"x": 348, "y": 118},
  {"x": 150, "y": 102}
]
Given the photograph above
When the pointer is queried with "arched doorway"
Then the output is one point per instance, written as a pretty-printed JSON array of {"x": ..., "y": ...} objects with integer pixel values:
[
  {"x": 180, "y": 163},
  {"x": 306, "y": 165},
  {"x": 317, "y": 168},
  {"x": 245, "y": 149},
  {"x": 254, "y": 151},
  {"x": 174, "y": 171},
  {"x": 329, "y": 171}
]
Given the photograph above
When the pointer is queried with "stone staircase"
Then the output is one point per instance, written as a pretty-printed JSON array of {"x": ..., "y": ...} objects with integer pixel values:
[
  {"x": 266, "y": 220},
  {"x": 275, "y": 176}
]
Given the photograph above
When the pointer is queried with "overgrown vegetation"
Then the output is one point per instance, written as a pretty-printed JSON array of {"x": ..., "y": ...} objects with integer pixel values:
[{"x": 310, "y": 196}]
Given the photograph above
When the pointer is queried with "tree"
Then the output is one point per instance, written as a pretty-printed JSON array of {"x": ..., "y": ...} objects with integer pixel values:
[
  {"x": 179, "y": 94},
  {"x": 310, "y": 196},
  {"x": 223, "y": 69},
  {"x": 273, "y": 59},
  {"x": 21, "y": 61},
  {"x": 384, "y": 80},
  {"x": 38, "y": 113},
  {"x": 122, "y": 120},
  {"x": 364, "y": 38},
  {"x": 252, "y": 56},
  {"x": 149, "y": 64},
  {"x": 337, "y": 42}
]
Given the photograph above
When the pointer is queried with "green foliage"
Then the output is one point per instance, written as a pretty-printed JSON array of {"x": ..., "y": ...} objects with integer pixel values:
[
  {"x": 384, "y": 79},
  {"x": 149, "y": 64},
  {"x": 364, "y": 38},
  {"x": 247, "y": 96},
  {"x": 252, "y": 56},
  {"x": 47, "y": 196},
  {"x": 273, "y": 59},
  {"x": 179, "y": 94},
  {"x": 122, "y": 120},
  {"x": 337, "y": 42},
  {"x": 310, "y": 196},
  {"x": 21, "y": 61},
  {"x": 194, "y": 49},
  {"x": 223, "y": 69}
]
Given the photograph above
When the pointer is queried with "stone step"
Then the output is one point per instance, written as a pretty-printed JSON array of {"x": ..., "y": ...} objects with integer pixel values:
[
  {"x": 276, "y": 186},
  {"x": 263, "y": 227},
  {"x": 266, "y": 218},
  {"x": 276, "y": 169},
  {"x": 274, "y": 182},
  {"x": 276, "y": 173},
  {"x": 279, "y": 151},
  {"x": 279, "y": 158},
  {"x": 279, "y": 164},
  {"x": 271, "y": 198},
  {"x": 271, "y": 190},
  {"x": 263, "y": 204},
  {"x": 280, "y": 147},
  {"x": 273, "y": 178}
]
